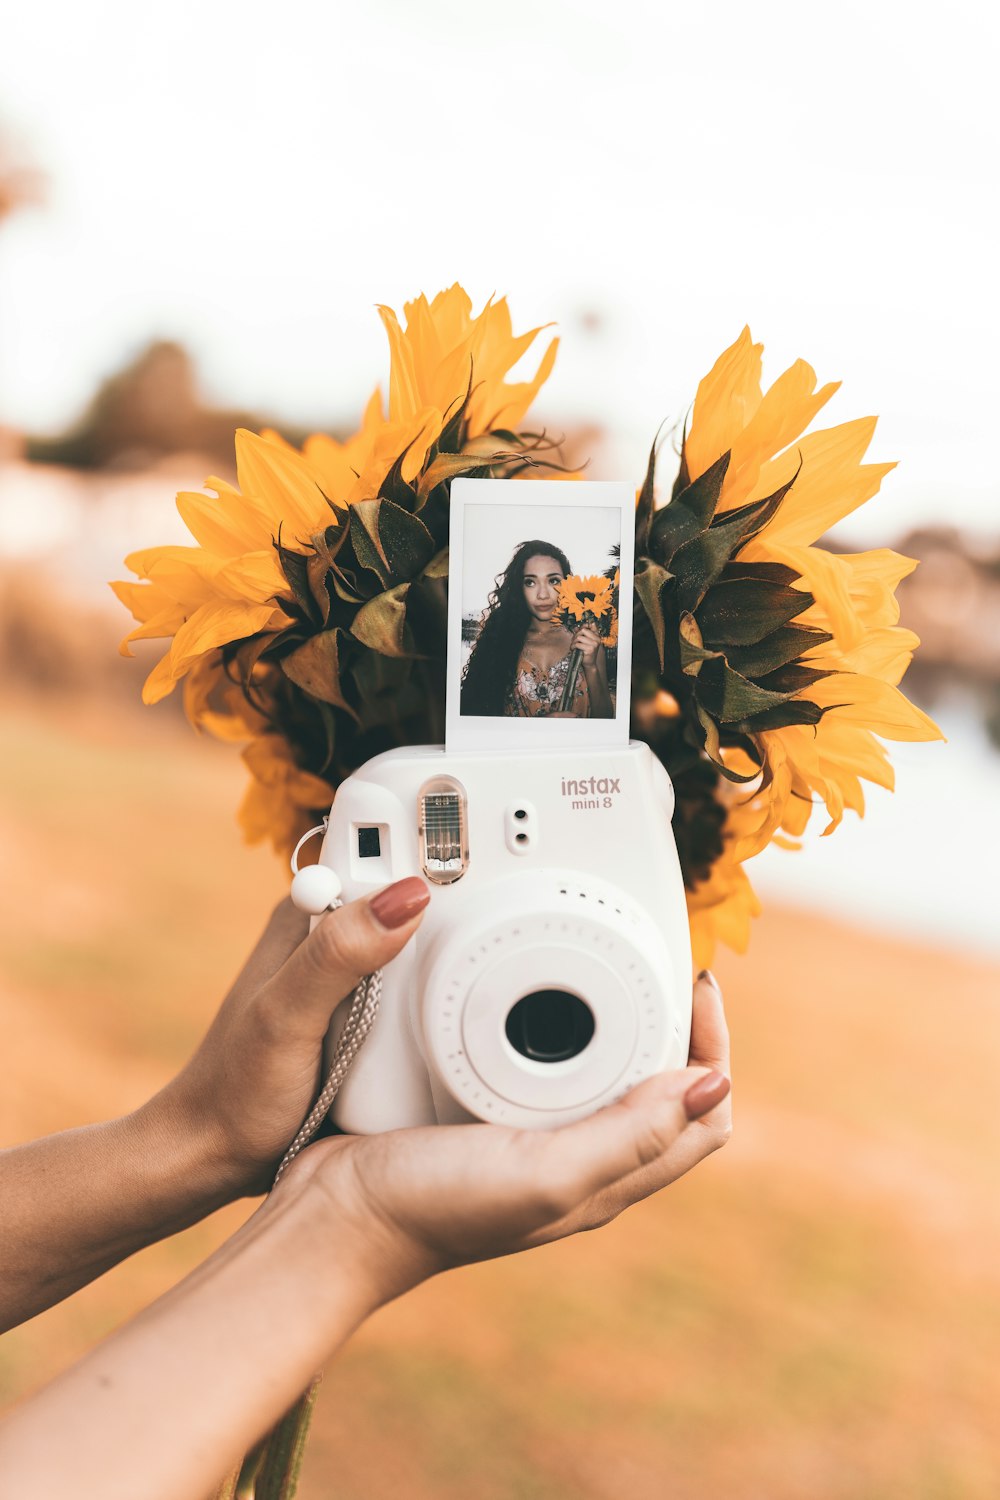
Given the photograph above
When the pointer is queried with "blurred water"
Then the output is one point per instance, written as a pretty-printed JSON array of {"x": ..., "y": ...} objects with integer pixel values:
[
  {"x": 923, "y": 860},
  {"x": 78, "y": 527}
]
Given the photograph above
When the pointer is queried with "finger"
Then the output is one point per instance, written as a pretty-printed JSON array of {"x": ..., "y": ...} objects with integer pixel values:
[
  {"x": 581, "y": 1160},
  {"x": 282, "y": 935},
  {"x": 680, "y": 1155},
  {"x": 342, "y": 948},
  {"x": 709, "y": 1050},
  {"x": 709, "y": 1032}
]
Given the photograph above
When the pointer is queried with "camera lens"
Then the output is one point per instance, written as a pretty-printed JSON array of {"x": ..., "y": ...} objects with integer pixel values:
[{"x": 549, "y": 1026}]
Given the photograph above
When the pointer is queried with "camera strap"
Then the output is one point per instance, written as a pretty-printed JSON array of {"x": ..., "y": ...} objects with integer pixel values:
[
  {"x": 364, "y": 1004},
  {"x": 360, "y": 1018}
]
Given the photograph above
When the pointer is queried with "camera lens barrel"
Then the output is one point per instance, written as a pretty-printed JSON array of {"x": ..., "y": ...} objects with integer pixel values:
[{"x": 544, "y": 1011}]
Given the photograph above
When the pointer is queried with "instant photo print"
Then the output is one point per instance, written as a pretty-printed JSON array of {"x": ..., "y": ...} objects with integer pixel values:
[{"x": 539, "y": 613}]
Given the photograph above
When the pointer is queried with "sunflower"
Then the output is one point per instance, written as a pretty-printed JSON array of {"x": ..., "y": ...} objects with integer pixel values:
[
  {"x": 788, "y": 657},
  {"x": 317, "y": 584},
  {"x": 579, "y": 596}
]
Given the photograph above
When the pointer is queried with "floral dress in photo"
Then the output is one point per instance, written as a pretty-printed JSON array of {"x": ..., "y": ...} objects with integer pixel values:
[{"x": 536, "y": 692}]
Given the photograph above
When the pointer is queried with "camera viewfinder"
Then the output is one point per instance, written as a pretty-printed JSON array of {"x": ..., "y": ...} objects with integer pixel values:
[{"x": 369, "y": 845}]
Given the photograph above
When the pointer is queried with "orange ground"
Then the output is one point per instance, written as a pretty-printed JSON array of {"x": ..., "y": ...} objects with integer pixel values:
[{"x": 815, "y": 1312}]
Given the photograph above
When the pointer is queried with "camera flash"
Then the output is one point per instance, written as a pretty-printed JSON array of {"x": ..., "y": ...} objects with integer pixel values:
[{"x": 444, "y": 844}]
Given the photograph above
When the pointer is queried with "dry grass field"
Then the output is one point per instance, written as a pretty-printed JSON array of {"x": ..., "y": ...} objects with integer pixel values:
[{"x": 815, "y": 1312}]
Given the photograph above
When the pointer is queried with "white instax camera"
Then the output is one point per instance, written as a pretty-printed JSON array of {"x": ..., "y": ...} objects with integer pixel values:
[{"x": 552, "y": 970}]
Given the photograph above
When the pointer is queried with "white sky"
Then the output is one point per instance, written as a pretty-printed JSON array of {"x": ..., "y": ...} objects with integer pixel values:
[
  {"x": 494, "y": 532},
  {"x": 253, "y": 180}
]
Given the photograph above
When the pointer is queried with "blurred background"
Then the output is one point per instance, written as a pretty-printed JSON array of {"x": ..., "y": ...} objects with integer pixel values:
[{"x": 199, "y": 208}]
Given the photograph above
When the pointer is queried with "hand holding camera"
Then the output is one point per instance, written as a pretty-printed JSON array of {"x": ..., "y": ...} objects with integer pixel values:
[{"x": 407, "y": 1204}]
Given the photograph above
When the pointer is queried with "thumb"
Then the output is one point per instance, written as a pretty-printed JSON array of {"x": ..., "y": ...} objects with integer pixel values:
[
  {"x": 342, "y": 948},
  {"x": 584, "y": 1158}
]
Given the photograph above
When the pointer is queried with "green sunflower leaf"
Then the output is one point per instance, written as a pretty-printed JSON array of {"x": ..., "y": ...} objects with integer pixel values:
[
  {"x": 438, "y": 565},
  {"x": 688, "y": 514},
  {"x": 793, "y": 678},
  {"x": 683, "y": 473},
  {"x": 318, "y": 566},
  {"x": 450, "y": 465},
  {"x": 730, "y": 698},
  {"x": 698, "y": 563},
  {"x": 249, "y": 652},
  {"x": 758, "y": 513},
  {"x": 452, "y": 438},
  {"x": 713, "y": 748},
  {"x": 692, "y": 647},
  {"x": 395, "y": 488},
  {"x": 328, "y": 719},
  {"x": 644, "y": 504},
  {"x": 295, "y": 566},
  {"x": 406, "y": 542},
  {"x": 771, "y": 572},
  {"x": 775, "y": 650},
  {"x": 782, "y": 715},
  {"x": 344, "y": 587},
  {"x": 744, "y": 612},
  {"x": 366, "y": 542},
  {"x": 649, "y": 587},
  {"x": 315, "y": 667},
  {"x": 381, "y": 623},
  {"x": 427, "y": 618}
]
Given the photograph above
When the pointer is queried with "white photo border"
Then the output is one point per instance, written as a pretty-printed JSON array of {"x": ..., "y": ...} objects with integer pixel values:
[{"x": 486, "y": 732}]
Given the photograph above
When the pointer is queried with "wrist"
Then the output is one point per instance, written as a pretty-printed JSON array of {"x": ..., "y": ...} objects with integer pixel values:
[
  {"x": 331, "y": 1250},
  {"x": 182, "y": 1155},
  {"x": 381, "y": 1260}
]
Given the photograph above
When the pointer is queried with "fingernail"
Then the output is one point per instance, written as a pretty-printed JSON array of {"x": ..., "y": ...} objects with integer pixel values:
[
  {"x": 709, "y": 978},
  {"x": 705, "y": 1094},
  {"x": 399, "y": 902}
]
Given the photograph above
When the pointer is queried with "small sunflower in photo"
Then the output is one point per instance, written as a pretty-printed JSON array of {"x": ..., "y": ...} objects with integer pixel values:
[{"x": 579, "y": 597}]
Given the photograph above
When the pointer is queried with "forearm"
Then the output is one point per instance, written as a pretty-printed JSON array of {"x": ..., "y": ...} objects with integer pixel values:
[
  {"x": 600, "y": 693},
  {"x": 72, "y": 1205},
  {"x": 166, "y": 1406}
]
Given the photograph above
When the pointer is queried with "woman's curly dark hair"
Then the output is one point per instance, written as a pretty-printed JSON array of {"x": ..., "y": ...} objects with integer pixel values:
[{"x": 489, "y": 672}]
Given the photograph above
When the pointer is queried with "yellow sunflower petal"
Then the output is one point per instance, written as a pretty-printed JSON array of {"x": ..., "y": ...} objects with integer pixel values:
[
  {"x": 404, "y": 388},
  {"x": 720, "y": 910},
  {"x": 254, "y": 578},
  {"x": 873, "y": 705},
  {"x": 832, "y": 483},
  {"x": 785, "y": 411},
  {"x": 337, "y": 465},
  {"x": 856, "y": 749},
  {"x": 283, "y": 484},
  {"x": 225, "y": 523},
  {"x": 824, "y": 576},
  {"x": 143, "y": 600},
  {"x": 874, "y": 578},
  {"x": 214, "y": 624},
  {"x": 514, "y": 400},
  {"x": 885, "y": 652},
  {"x": 182, "y": 573},
  {"x": 727, "y": 399}
]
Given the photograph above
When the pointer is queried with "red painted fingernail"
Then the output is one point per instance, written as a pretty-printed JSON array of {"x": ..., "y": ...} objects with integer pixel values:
[
  {"x": 399, "y": 902},
  {"x": 705, "y": 1094}
]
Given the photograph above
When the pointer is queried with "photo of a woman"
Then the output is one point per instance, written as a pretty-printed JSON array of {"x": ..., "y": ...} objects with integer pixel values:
[{"x": 521, "y": 658}]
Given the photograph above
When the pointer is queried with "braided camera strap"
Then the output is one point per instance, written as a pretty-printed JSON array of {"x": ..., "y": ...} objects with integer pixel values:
[{"x": 360, "y": 1019}]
